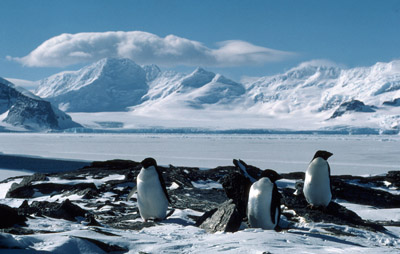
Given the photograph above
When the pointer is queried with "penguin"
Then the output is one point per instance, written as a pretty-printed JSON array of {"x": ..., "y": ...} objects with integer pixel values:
[
  {"x": 264, "y": 203},
  {"x": 152, "y": 195},
  {"x": 317, "y": 184}
]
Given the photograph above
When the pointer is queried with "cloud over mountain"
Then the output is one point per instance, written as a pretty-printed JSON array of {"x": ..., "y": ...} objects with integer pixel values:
[{"x": 145, "y": 48}]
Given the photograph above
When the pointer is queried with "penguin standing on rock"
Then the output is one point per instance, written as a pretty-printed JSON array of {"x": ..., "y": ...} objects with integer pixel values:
[
  {"x": 152, "y": 195},
  {"x": 263, "y": 207},
  {"x": 317, "y": 183},
  {"x": 264, "y": 200}
]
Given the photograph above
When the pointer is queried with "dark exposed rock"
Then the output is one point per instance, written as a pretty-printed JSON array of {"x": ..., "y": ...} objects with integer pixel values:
[
  {"x": 108, "y": 248},
  {"x": 226, "y": 219},
  {"x": 354, "y": 105},
  {"x": 90, "y": 220},
  {"x": 10, "y": 217},
  {"x": 365, "y": 196},
  {"x": 197, "y": 199},
  {"x": 294, "y": 175},
  {"x": 333, "y": 213},
  {"x": 65, "y": 210},
  {"x": 19, "y": 190},
  {"x": 29, "y": 190},
  {"x": 29, "y": 111},
  {"x": 394, "y": 178},
  {"x": 237, "y": 188},
  {"x": 394, "y": 103}
]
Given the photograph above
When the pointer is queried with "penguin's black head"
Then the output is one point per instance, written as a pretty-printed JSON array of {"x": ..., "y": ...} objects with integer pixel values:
[
  {"x": 148, "y": 162},
  {"x": 271, "y": 174},
  {"x": 323, "y": 154}
]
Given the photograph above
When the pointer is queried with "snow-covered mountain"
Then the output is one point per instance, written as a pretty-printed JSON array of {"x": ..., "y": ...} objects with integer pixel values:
[
  {"x": 116, "y": 84},
  {"x": 321, "y": 90},
  {"x": 107, "y": 85},
  {"x": 21, "y": 110},
  {"x": 317, "y": 86},
  {"x": 314, "y": 95},
  {"x": 198, "y": 90}
]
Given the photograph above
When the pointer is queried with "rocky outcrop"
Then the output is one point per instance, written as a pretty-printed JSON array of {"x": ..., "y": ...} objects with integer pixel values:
[
  {"x": 65, "y": 210},
  {"x": 393, "y": 103},
  {"x": 104, "y": 203},
  {"x": 225, "y": 218},
  {"x": 237, "y": 188},
  {"x": 38, "y": 184},
  {"x": 352, "y": 106},
  {"x": 333, "y": 213},
  {"x": 10, "y": 217},
  {"x": 29, "y": 111}
]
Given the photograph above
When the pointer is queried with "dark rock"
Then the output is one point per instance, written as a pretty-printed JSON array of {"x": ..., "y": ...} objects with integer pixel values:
[
  {"x": 394, "y": 178},
  {"x": 294, "y": 175},
  {"x": 354, "y": 105},
  {"x": 237, "y": 188},
  {"x": 226, "y": 219},
  {"x": 65, "y": 210},
  {"x": 26, "y": 110},
  {"x": 180, "y": 175},
  {"x": 205, "y": 216},
  {"x": 10, "y": 217},
  {"x": 394, "y": 103},
  {"x": 333, "y": 213},
  {"x": 19, "y": 190},
  {"x": 88, "y": 193},
  {"x": 28, "y": 190},
  {"x": 365, "y": 196},
  {"x": 108, "y": 248},
  {"x": 91, "y": 221},
  {"x": 197, "y": 199}
]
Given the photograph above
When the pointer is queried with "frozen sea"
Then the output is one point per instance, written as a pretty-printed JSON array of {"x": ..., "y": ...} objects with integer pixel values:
[{"x": 353, "y": 154}]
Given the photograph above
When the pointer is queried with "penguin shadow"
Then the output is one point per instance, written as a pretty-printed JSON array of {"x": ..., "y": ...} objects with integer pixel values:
[{"x": 174, "y": 220}]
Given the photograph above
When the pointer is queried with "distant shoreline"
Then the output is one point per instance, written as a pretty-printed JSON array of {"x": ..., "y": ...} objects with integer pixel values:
[{"x": 39, "y": 164}]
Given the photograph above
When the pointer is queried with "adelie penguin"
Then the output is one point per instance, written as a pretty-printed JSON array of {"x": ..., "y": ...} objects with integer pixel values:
[
  {"x": 152, "y": 195},
  {"x": 317, "y": 183},
  {"x": 264, "y": 203}
]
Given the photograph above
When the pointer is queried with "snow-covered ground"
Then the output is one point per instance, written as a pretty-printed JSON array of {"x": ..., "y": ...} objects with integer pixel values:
[{"x": 354, "y": 155}]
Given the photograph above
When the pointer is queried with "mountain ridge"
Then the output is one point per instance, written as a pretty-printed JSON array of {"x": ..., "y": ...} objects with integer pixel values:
[
  {"x": 22, "y": 110},
  {"x": 308, "y": 93}
]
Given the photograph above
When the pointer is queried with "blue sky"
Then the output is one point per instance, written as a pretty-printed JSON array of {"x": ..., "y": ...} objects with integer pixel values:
[{"x": 235, "y": 38}]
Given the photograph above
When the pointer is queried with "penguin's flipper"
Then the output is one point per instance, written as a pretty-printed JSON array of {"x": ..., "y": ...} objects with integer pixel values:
[
  {"x": 330, "y": 179},
  {"x": 133, "y": 191},
  {"x": 275, "y": 203},
  {"x": 164, "y": 187}
]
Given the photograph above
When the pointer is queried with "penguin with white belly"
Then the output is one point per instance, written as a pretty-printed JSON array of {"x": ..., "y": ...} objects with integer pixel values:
[
  {"x": 317, "y": 183},
  {"x": 152, "y": 195},
  {"x": 263, "y": 207}
]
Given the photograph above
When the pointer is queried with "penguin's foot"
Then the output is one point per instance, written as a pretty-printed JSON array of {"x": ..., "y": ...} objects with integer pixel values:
[
  {"x": 320, "y": 208},
  {"x": 310, "y": 206}
]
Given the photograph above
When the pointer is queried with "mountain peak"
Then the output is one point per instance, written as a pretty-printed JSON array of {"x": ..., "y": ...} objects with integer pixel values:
[
  {"x": 198, "y": 78},
  {"x": 152, "y": 72},
  {"x": 110, "y": 84}
]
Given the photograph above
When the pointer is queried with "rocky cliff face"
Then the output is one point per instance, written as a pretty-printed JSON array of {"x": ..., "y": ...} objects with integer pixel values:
[{"x": 19, "y": 108}]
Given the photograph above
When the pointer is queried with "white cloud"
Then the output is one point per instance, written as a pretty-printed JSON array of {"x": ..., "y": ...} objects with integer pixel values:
[{"x": 145, "y": 48}]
